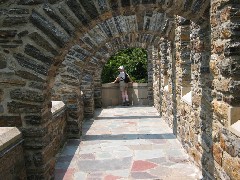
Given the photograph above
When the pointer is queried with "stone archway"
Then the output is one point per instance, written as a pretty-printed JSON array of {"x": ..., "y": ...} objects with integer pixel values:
[
  {"x": 38, "y": 36},
  {"x": 57, "y": 27}
]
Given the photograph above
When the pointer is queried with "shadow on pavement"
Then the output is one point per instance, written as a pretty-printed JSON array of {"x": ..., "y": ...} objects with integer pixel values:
[
  {"x": 127, "y": 136},
  {"x": 125, "y": 117}
]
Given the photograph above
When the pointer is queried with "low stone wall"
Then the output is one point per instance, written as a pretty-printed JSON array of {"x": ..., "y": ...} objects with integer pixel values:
[
  {"x": 14, "y": 153},
  {"x": 59, "y": 128},
  {"x": 12, "y": 164},
  {"x": 55, "y": 135},
  {"x": 12, "y": 147},
  {"x": 137, "y": 92}
]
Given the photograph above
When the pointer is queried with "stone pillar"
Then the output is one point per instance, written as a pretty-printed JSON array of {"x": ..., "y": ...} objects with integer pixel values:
[
  {"x": 156, "y": 78},
  {"x": 164, "y": 76},
  {"x": 183, "y": 63},
  {"x": 87, "y": 87},
  {"x": 225, "y": 66},
  {"x": 201, "y": 87},
  {"x": 176, "y": 76},
  {"x": 98, "y": 89},
  {"x": 75, "y": 113},
  {"x": 39, "y": 141},
  {"x": 67, "y": 89},
  {"x": 185, "y": 112},
  {"x": 151, "y": 56},
  {"x": 167, "y": 86},
  {"x": 27, "y": 106}
]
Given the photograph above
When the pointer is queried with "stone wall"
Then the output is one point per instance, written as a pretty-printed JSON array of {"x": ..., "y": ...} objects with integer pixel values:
[
  {"x": 137, "y": 93},
  {"x": 67, "y": 89},
  {"x": 98, "y": 89},
  {"x": 167, "y": 85},
  {"x": 88, "y": 94},
  {"x": 225, "y": 67},
  {"x": 61, "y": 130},
  {"x": 156, "y": 80},
  {"x": 12, "y": 163},
  {"x": 12, "y": 143},
  {"x": 40, "y": 152},
  {"x": 200, "y": 83}
]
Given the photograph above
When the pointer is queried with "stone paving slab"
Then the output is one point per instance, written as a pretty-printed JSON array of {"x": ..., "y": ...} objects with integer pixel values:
[{"x": 125, "y": 143}]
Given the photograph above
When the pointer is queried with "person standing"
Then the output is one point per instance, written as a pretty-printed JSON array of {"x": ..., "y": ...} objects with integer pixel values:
[{"x": 123, "y": 82}]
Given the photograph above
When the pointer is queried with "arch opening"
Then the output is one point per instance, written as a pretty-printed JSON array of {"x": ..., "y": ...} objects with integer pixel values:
[{"x": 136, "y": 64}]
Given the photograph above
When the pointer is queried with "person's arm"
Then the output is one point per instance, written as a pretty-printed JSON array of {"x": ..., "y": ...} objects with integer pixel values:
[
  {"x": 116, "y": 80},
  {"x": 131, "y": 81}
]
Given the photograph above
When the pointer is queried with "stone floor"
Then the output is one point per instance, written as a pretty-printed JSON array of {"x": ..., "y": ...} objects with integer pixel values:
[{"x": 124, "y": 143}]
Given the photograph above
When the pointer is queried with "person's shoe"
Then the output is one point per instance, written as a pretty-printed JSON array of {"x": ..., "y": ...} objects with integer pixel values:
[
  {"x": 127, "y": 103},
  {"x": 124, "y": 103}
]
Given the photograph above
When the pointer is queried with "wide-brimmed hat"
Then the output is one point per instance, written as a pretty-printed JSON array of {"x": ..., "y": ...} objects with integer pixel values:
[{"x": 121, "y": 67}]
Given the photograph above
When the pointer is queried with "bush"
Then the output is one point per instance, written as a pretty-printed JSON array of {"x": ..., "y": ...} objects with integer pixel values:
[{"x": 134, "y": 61}]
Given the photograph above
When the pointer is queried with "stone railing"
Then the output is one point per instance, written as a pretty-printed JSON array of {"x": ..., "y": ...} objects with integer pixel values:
[
  {"x": 12, "y": 164},
  {"x": 138, "y": 94},
  {"x": 58, "y": 126}
]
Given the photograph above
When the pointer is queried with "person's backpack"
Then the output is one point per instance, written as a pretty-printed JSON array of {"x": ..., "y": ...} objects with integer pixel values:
[{"x": 126, "y": 79}]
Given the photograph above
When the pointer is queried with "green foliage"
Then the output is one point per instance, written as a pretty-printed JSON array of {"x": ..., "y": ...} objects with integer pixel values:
[{"x": 134, "y": 61}]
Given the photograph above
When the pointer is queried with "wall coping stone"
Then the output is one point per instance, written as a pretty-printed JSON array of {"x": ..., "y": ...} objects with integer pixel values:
[
  {"x": 57, "y": 106},
  {"x": 234, "y": 120},
  {"x": 187, "y": 98},
  {"x": 8, "y": 135},
  {"x": 235, "y": 128},
  {"x": 166, "y": 88},
  {"x": 137, "y": 93},
  {"x": 233, "y": 114},
  {"x": 115, "y": 85}
]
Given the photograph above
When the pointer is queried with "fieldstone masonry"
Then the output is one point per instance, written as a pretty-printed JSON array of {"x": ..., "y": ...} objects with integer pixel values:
[
  {"x": 56, "y": 50},
  {"x": 12, "y": 164}
]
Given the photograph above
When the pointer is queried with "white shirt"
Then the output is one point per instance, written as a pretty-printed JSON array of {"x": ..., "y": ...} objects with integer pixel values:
[{"x": 121, "y": 76}]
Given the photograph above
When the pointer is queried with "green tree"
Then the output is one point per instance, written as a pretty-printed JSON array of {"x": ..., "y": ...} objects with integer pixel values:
[{"x": 134, "y": 61}]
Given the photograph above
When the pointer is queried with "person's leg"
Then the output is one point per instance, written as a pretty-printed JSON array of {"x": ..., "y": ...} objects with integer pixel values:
[
  {"x": 123, "y": 97},
  {"x": 122, "y": 88},
  {"x": 126, "y": 93},
  {"x": 126, "y": 96}
]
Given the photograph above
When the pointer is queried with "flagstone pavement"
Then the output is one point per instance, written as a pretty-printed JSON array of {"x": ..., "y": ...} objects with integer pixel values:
[{"x": 125, "y": 143}]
